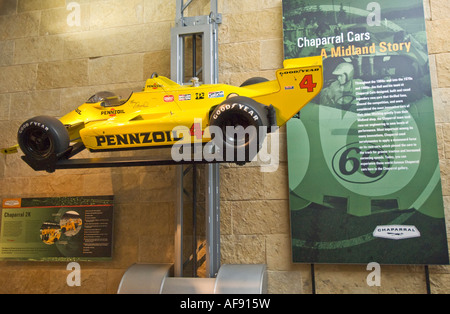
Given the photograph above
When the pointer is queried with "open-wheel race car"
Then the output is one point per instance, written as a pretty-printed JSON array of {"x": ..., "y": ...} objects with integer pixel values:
[{"x": 165, "y": 114}]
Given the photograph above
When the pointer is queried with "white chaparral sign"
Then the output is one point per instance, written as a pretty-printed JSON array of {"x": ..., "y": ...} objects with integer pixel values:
[{"x": 396, "y": 232}]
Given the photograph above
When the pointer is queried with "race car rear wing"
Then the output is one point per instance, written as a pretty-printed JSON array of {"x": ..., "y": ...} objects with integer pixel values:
[{"x": 299, "y": 82}]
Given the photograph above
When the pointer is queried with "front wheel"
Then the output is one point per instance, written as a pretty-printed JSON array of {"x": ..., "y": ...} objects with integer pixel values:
[
  {"x": 242, "y": 123},
  {"x": 42, "y": 137}
]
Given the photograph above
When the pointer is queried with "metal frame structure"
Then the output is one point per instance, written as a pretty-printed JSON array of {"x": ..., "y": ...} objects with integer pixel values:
[
  {"x": 158, "y": 157},
  {"x": 206, "y": 29}
]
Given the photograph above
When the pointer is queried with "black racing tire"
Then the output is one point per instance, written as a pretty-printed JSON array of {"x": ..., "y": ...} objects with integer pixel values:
[
  {"x": 253, "y": 81},
  {"x": 242, "y": 112},
  {"x": 42, "y": 137}
]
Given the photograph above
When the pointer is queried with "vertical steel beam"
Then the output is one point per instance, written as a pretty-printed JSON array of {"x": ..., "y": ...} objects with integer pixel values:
[
  {"x": 178, "y": 266},
  {"x": 212, "y": 220},
  {"x": 179, "y": 11},
  {"x": 177, "y": 56},
  {"x": 207, "y": 28},
  {"x": 211, "y": 68}
]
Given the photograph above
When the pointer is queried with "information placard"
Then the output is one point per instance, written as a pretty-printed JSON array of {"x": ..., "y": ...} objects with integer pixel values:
[
  {"x": 57, "y": 229},
  {"x": 364, "y": 173}
]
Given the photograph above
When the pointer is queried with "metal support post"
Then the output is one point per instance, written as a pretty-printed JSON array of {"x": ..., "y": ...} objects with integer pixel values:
[
  {"x": 206, "y": 28},
  {"x": 213, "y": 220},
  {"x": 178, "y": 266}
]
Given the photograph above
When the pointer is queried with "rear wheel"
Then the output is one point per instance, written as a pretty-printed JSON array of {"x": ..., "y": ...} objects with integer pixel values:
[
  {"x": 42, "y": 137},
  {"x": 243, "y": 124}
]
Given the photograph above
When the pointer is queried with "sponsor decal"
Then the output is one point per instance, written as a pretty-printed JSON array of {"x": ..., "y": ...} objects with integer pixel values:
[
  {"x": 154, "y": 86},
  {"x": 184, "y": 97},
  {"x": 396, "y": 232},
  {"x": 112, "y": 113},
  {"x": 298, "y": 71},
  {"x": 289, "y": 87},
  {"x": 169, "y": 98},
  {"x": 137, "y": 138},
  {"x": 220, "y": 94}
]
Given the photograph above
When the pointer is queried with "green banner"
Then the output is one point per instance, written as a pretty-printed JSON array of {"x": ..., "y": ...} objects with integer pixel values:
[
  {"x": 364, "y": 173},
  {"x": 57, "y": 229}
]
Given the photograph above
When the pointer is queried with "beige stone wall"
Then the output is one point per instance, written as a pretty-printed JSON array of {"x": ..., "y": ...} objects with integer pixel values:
[{"x": 48, "y": 68}]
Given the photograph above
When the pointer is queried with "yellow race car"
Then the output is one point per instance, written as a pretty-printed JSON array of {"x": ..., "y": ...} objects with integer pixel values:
[{"x": 165, "y": 114}]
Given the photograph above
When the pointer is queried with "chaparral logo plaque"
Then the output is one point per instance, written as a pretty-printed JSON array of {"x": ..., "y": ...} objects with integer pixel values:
[{"x": 396, "y": 232}]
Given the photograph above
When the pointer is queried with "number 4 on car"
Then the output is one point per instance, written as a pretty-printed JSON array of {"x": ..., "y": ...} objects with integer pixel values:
[{"x": 157, "y": 116}]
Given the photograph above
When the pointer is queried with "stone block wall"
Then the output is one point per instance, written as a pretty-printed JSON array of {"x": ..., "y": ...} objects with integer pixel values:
[{"x": 49, "y": 65}]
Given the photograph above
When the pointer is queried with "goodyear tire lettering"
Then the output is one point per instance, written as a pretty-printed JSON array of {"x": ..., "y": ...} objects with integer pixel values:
[
  {"x": 241, "y": 107},
  {"x": 32, "y": 123}
]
